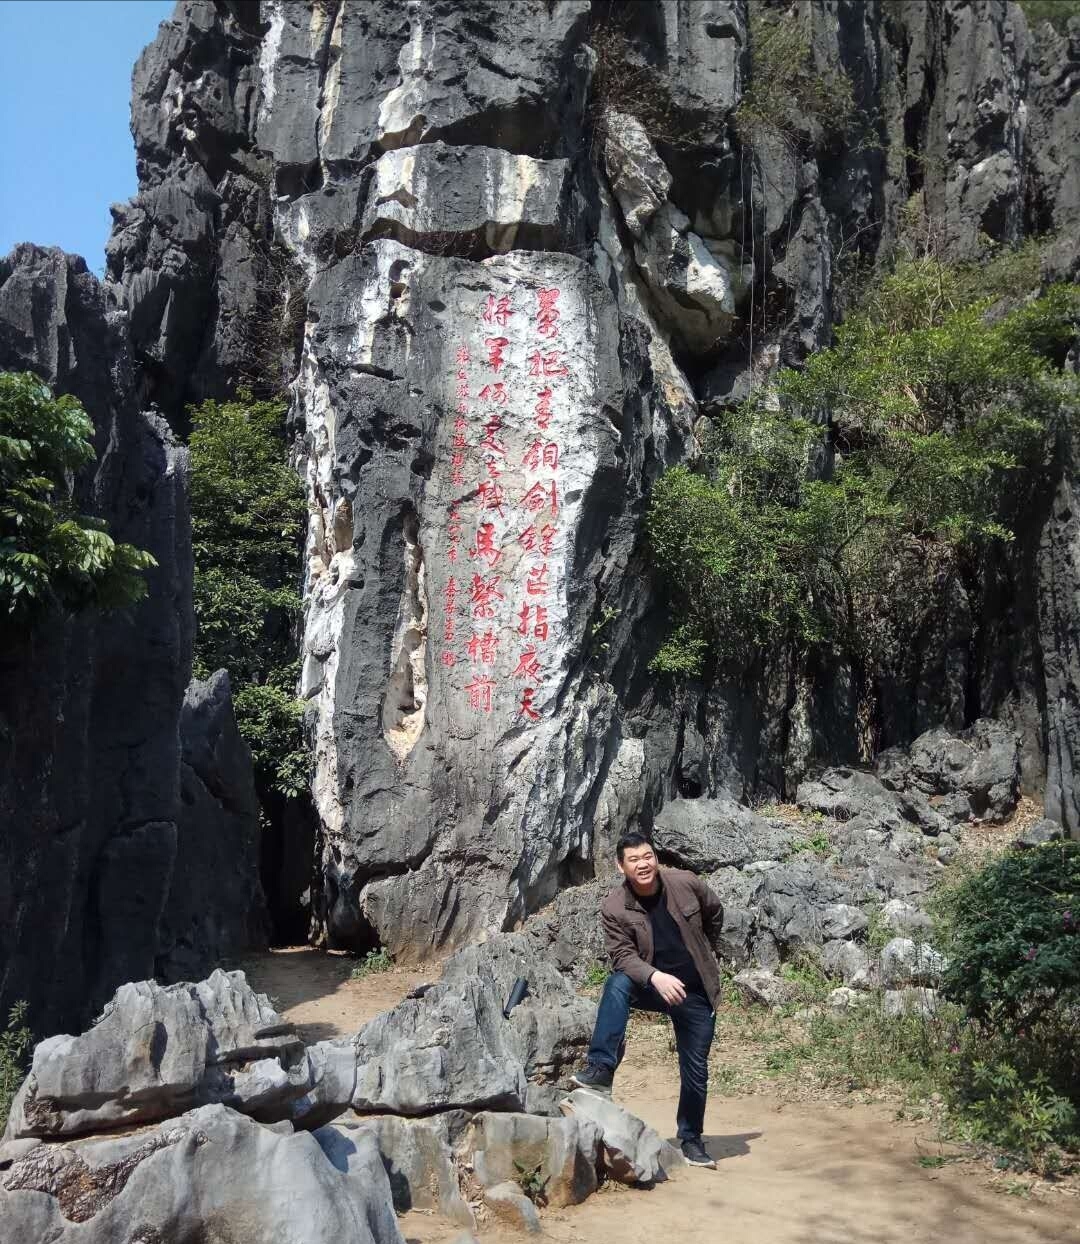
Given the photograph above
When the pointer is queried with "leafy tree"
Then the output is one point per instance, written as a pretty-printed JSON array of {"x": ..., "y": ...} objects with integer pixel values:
[
  {"x": 16, "y": 1041},
  {"x": 1012, "y": 933},
  {"x": 1057, "y": 12},
  {"x": 248, "y": 514},
  {"x": 847, "y": 486},
  {"x": 50, "y": 554}
]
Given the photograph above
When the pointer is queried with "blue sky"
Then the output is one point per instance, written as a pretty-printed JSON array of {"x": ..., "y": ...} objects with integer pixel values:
[{"x": 65, "y": 88}]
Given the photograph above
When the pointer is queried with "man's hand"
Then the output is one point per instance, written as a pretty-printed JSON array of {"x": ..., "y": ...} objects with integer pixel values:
[{"x": 670, "y": 988}]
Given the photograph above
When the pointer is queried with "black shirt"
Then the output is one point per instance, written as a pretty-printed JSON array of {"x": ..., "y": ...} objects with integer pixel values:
[{"x": 669, "y": 950}]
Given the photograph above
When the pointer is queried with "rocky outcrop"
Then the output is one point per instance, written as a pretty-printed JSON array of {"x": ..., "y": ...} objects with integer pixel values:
[
  {"x": 156, "y": 1052},
  {"x": 117, "y": 860},
  {"x": 215, "y": 909},
  {"x": 211, "y": 1173},
  {"x": 89, "y": 706}
]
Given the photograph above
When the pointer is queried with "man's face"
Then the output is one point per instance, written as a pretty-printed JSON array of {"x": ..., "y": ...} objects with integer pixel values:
[{"x": 639, "y": 866}]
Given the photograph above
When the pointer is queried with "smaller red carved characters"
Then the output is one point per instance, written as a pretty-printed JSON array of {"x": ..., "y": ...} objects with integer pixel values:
[
  {"x": 526, "y": 705},
  {"x": 528, "y": 666},
  {"x": 537, "y": 582},
  {"x": 495, "y": 348},
  {"x": 547, "y": 314},
  {"x": 483, "y": 594},
  {"x": 497, "y": 310},
  {"x": 449, "y": 659},
  {"x": 495, "y": 392},
  {"x": 538, "y": 497},
  {"x": 538, "y": 541},
  {"x": 549, "y": 364},
  {"x": 547, "y": 538},
  {"x": 479, "y": 692},
  {"x": 462, "y": 355}
]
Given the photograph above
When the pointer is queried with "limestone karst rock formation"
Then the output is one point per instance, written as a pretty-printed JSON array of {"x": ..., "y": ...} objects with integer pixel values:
[{"x": 500, "y": 295}]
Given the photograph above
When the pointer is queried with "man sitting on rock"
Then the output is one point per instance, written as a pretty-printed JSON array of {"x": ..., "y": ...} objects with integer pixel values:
[{"x": 656, "y": 927}]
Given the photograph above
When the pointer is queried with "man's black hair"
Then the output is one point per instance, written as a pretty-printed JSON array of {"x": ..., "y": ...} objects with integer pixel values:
[{"x": 633, "y": 839}]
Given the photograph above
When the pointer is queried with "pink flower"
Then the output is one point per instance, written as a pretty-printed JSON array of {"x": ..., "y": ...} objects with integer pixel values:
[{"x": 1031, "y": 953}]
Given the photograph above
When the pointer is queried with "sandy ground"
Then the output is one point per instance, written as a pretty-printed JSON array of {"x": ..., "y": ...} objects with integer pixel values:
[{"x": 787, "y": 1174}]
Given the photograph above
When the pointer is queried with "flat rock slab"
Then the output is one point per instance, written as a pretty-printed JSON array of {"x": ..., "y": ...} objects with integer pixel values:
[{"x": 157, "y": 1051}]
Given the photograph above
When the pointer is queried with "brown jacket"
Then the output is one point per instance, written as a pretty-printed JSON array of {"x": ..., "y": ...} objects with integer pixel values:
[{"x": 628, "y": 934}]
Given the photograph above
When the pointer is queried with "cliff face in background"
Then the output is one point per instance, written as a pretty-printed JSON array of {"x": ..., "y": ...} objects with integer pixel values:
[
  {"x": 372, "y": 198},
  {"x": 499, "y": 309}
]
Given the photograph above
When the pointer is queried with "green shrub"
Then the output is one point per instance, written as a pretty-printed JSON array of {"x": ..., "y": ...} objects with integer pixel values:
[
  {"x": 50, "y": 554},
  {"x": 596, "y": 974},
  {"x": 1057, "y": 12},
  {"x": 247, "y": 518},
  {"x": 374, "y": 961},
  {"x": 817, "y": 843},
  {"x": 786, "y": 93},
  {"x": 15, "y": 1044},
  {"x": 1013, "y": 937},
  {"x": 1012, "y": 933},
  {"x": 869, "y": 478}
]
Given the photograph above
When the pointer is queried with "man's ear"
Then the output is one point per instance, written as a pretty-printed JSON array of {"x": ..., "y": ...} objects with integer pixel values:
[{"x": 618, "y": 865}]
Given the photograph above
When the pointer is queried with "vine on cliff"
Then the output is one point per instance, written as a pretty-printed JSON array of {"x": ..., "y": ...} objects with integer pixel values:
[
  {"x": 247, "y": 518},
  {"x": 832, "y": 507},
  {"x": 787, "y": 95}
]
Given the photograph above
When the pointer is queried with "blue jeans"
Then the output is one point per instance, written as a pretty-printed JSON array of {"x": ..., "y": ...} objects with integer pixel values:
[{"x": 693, "y": 1021}]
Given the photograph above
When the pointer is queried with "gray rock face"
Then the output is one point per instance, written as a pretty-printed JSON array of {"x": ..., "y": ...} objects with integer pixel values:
[
  {"x": 631, "y": 1149},
  {"x": 850, "y": 962},
  {"x": 914, "y": 1001},
  {"x": 562, "y": 1152},
  {"x": 329, "y": 195},
  {"x": 452, "y": 1048},
  {"x": 760, "y": 985},
  {"x": 976, "y": 774},
  {"x": 905, "y": 962},
  {"x": 706, "y": 834},
  {"x": 479, "y": 198},
  {"x": 209, "y": 1171},
  {"x": 157, "y": 1051},
  {"x": 1038, "y": 834},
  {"x": 508, "y": 1202},
  {"x": 216, "y": 908},
  {"x": 89, "y": 706},
  {"x": 417, "y": 1155}
]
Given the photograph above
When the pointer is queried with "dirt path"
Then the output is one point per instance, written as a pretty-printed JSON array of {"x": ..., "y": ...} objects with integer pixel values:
[
  {"x": 788, "y": 1174},
  {"x": 315, "y": 989}
]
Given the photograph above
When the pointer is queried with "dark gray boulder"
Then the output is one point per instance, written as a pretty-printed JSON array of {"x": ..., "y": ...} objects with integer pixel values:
[
  {"x": 1039, "y": 834},
  {"x": 216, "y": 909},
  {"x": 707, "y": 834},
  {"x": 973, "y": 775}
]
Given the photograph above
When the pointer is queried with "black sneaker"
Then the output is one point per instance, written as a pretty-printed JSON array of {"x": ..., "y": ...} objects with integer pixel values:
[
  {"x": 595, "y": 1076},
  {"x": 696, "y": 1154}
]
